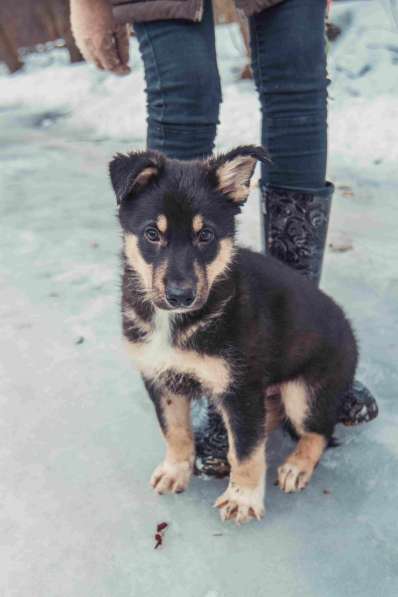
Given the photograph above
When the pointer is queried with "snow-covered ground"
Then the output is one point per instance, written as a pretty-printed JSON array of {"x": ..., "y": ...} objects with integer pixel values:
[{"x": 78, "y": 437}]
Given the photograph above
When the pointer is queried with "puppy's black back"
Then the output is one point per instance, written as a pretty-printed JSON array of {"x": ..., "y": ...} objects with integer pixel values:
[{"x": 291, "y": 330}]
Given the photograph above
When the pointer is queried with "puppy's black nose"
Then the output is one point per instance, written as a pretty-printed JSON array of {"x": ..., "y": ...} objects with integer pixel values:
[{"x": 179, "y": 296}]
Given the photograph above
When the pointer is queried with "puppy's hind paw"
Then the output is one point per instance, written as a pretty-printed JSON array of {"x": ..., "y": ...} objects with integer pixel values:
[{"x": 171, "y": 477}]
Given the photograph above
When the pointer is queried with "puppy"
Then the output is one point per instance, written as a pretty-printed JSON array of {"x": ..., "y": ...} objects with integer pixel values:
[{"x": 203, "y": 316}]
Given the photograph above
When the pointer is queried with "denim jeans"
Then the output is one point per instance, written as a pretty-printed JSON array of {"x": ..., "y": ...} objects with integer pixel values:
[{"x": 289, "y": 65}]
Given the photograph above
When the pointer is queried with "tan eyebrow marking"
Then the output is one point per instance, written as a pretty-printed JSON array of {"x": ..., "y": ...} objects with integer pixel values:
[
  {"x": 161, "y": 223},
  {"x": 197, "y": 223}
]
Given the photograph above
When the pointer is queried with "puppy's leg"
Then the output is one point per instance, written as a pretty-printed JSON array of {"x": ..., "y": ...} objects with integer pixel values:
[
  {"x": 173, "y": 411},
  {"x": 314, "y": 429},
  {"x": 244, "y": 497},
  {"x": 299, "y": 466}
]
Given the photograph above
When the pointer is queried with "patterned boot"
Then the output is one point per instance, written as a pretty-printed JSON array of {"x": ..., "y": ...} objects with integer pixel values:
[
  {"x": 211, "y": 443},
  {"x": 295, "y": 229}
]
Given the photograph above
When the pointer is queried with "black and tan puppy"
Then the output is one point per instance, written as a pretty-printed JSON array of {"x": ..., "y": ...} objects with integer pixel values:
[{"x": 202, "y": 316}]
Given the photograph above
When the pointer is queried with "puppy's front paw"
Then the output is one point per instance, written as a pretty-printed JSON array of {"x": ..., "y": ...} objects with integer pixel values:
[
  {"x": 294, "y": 476},
  {"x": 171, "y": 477},
  {"x": 241, "y": 504}
]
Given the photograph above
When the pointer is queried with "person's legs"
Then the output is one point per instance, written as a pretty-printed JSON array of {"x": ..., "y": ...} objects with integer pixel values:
[
  {"x": 289, "y": 65},
  {"x": 183, "y": 85}
]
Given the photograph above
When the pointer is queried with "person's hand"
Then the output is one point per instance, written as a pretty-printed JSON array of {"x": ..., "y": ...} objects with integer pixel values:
[{"x": 98, "y": 37}]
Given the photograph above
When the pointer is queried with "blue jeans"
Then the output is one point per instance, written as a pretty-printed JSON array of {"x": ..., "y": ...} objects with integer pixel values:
[{"x": 289, "y": 65}]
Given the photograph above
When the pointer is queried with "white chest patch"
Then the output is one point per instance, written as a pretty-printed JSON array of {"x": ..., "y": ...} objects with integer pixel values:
[{"x": 156, "y": 355}]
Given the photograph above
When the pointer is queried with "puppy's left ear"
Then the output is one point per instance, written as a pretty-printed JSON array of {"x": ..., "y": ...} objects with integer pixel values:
[
  {"x": 131, "y": 173},
  {"x": 231, "y": 172}
]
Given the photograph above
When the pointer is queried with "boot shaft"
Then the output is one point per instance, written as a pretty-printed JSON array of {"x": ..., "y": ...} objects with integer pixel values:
[{"x": 295, "y": 227}]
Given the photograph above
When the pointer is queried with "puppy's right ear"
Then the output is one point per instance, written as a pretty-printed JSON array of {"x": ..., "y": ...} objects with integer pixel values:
[
  {"x": 132, "y": 172},
  {"x": 231, "y": 172}
]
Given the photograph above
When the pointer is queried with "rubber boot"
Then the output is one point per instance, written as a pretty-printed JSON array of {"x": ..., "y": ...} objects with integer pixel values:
[{"x": 211, "y": 443}]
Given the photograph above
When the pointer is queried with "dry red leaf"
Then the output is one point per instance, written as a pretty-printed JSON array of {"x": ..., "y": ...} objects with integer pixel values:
[{"x": 160, "y": 528}]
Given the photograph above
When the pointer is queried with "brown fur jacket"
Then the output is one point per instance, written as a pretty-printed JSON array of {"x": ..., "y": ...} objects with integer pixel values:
[{"x": 125, "y": 11}]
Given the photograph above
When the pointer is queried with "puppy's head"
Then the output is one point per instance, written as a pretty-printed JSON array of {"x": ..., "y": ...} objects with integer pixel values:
[{"x": 178, "y": 220}]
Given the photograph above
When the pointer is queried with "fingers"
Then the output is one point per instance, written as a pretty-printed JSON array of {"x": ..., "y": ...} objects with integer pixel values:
[
  {"x": 103, "y": 51},
  {"x": 122, "y": 42},
  {"x": 108, "y": 56},
  {"x": 95, "y": 61},
  {"x": 89, "y": 53}
]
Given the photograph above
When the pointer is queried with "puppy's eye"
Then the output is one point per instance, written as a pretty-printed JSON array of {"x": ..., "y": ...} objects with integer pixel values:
[
  {"x": 206, "y": 235},
  {"x": 152, "y": 234}
]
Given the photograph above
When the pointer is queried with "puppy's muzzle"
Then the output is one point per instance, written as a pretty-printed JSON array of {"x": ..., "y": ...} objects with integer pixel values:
[{"x": 180, "y": 295}]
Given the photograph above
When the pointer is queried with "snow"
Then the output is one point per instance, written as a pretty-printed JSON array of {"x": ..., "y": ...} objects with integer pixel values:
[{"x": 79, "y": 439}]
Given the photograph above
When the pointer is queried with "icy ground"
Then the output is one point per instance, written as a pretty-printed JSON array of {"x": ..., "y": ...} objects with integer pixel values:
[{"x": 79, "y": 439}]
